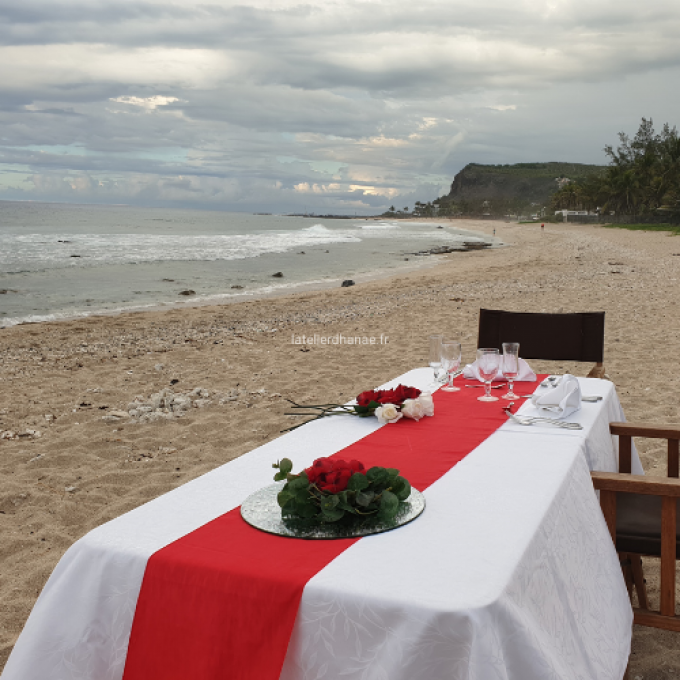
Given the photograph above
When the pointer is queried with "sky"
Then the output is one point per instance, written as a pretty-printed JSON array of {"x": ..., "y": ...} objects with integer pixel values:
[{"x": 326, "y": 107}]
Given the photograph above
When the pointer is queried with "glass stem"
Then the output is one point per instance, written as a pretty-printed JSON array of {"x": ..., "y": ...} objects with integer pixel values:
[
  {"x": 450, "y": 379},
  {"x": 510, "y": 381},
  {"x": 487, "y": 388}
]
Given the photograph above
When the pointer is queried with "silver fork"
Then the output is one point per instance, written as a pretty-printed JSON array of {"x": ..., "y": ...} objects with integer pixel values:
[
  {"x": 592, "y": 398},
  {"x": 531, "y": 420}
]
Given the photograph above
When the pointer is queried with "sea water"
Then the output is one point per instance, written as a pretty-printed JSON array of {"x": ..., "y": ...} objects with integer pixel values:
[{"x": 63, "y": 261}]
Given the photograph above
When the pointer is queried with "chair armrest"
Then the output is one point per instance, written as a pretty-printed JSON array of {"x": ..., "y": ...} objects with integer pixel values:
[
  {"x": 640, "y": 430},
  {"x": 625, "y": 483}
]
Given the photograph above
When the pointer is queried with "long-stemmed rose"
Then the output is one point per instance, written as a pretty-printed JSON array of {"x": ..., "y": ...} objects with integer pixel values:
[{"x": 389, "y": 406}]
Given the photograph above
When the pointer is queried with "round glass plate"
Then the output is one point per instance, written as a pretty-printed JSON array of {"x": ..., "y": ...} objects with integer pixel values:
[{"x": 262, "y": 511}]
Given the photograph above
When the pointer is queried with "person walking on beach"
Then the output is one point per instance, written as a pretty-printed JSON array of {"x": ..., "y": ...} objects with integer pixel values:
[{"x": 542, "y": 228}]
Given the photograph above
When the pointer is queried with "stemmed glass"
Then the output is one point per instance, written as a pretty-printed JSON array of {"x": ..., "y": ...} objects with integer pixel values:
[
  {"x": 435, "y": 356},
  {"x": 450, "y": 356},
  {"x": 510, "y": 366},
  {"x": 488, "y": 362}
]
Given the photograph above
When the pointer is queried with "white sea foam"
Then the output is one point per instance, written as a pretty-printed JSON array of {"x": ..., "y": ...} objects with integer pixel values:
[
  {"x": 379, "y": 226},
  {"x": 36, "y": 251}
]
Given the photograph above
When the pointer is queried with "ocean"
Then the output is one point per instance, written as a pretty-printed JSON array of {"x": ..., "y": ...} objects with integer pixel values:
[{"x": 60, "y": 261}]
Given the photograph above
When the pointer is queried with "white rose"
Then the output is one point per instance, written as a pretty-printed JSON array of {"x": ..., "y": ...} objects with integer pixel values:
[
  {"x": 412, "y": 408},
  {"x": 425, "y": 400},
  {"x": 387, "y": 413}
]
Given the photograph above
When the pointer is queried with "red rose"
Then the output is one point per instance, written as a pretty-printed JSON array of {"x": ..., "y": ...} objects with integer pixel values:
[
  {"x": 332, "y": 475},
  {"x": 387, "y": 397},
  {"x": 356, "y": 466},
  {"x": 365, "y": 398},
  {"x": 402, "y": 393}
]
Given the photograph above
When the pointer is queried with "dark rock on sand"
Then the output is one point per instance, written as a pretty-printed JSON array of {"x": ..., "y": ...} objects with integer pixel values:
[
  {"x": 187, "y": 292},
  {"x": 347, "y": 283},
  {"x": 278, "y": 275}
]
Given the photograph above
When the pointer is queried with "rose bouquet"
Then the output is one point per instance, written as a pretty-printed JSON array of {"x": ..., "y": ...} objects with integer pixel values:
[
  {"x": 388, "y": 406},
  {"x": 334, "y": 490}
]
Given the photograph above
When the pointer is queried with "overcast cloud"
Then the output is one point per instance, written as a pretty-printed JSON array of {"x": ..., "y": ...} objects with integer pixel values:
[{"x": 321, "y": 106}]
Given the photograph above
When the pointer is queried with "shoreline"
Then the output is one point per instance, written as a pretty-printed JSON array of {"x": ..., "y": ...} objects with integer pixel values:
[
  {"x": 418, "y": 263},
  {"x": 67, "y": 380}
]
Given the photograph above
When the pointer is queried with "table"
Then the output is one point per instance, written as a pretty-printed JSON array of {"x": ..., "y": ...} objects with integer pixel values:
[{"x": 509, "y": 573}]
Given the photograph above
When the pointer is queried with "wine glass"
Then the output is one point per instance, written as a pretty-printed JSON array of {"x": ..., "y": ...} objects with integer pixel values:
[
  {"x": 450, "y": 356},
  {"x": 435, "y": 356},
  {"x": 510, "y": 366},
  {"x": 488, "y": 362}
]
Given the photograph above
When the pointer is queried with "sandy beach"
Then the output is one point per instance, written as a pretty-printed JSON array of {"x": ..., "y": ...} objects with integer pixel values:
[{"x": 72, "y": 458}]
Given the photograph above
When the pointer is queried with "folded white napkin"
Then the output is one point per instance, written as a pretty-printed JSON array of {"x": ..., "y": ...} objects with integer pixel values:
[
  {"x": 471, "y": 372},
  {"x": 562, "y": 400}
]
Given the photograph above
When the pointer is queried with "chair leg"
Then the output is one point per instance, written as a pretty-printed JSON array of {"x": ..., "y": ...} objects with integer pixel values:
[
  {"x": 597, "y": 371},
  {"x": 639, "y": 580},
  {"x": 626, "y": 567}
]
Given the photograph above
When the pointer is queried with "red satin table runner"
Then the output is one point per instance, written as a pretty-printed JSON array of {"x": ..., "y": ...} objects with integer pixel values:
[{"x": 220, "y": 603}]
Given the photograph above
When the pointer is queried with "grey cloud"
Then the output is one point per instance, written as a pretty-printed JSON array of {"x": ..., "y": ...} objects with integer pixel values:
[{"x": 398, "y": 97}]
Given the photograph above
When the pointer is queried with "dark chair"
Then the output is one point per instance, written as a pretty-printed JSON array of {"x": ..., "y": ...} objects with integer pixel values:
[
  {"x": 641, "y": 513},
  {"x": 566, "y": 337}
]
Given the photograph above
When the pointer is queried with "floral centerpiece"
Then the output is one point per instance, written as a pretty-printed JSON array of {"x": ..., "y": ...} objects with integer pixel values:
[
  {"x": 334, "y": 490},
  {"x": 388, "y": 406}
]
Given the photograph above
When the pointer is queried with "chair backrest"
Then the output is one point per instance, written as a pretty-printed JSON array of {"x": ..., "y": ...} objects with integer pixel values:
[{"x": 566, "y": 337}]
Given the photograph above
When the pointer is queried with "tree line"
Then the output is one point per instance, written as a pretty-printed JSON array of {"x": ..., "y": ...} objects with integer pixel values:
[{"x": 642, "y": 178}]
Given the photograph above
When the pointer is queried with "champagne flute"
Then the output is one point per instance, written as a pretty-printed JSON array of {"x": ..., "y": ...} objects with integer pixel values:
[
  {"x": 510, "y": 366},
  {"x": 488, "y": 362},
  {"x": 435, "y": 356},
  {"x": 450, "y": 357}
]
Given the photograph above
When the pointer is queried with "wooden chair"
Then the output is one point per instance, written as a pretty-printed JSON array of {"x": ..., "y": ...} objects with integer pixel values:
[
  {"x": 566, "y": 337},
  {"x": 641, "y": 513}
]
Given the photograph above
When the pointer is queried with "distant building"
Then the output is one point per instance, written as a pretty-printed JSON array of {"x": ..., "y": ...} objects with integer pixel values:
[{"x": 566, "y": 213}]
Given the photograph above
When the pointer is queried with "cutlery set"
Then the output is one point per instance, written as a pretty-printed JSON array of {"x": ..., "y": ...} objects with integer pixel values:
[{"x": 536, "y": 420}]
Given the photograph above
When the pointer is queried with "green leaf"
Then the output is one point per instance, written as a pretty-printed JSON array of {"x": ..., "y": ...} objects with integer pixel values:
[
  {"x": 307, "y": 511},
  {"x": 284, "y": 468},
  {"x": 357, "y": 482},
  {"x": 329, "y": 503},
  {"x": 302, "y": 496},
  {"x": 377, "y": 476},
  {"x": 362, "y": 410},
  {"x": 332, "y": 515},
  {"x": 389, "y": 504},
  {"x": 373, "y": 405},
  {"x": 284, "y": 496},
  {"x": 402, "y": 490},
  {"x": 297, "y": 483},
  {"x": 392, "y": 474},
  {"x": 343, "y": 502},
  {"x": 364, "y": 498}
]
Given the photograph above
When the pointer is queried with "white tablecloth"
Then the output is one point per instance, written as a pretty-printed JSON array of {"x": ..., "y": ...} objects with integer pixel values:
[{"x": 509, "y": 573}]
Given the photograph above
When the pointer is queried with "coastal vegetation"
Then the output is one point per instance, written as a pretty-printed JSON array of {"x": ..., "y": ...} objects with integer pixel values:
[{"x": 643, "y": 177}]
